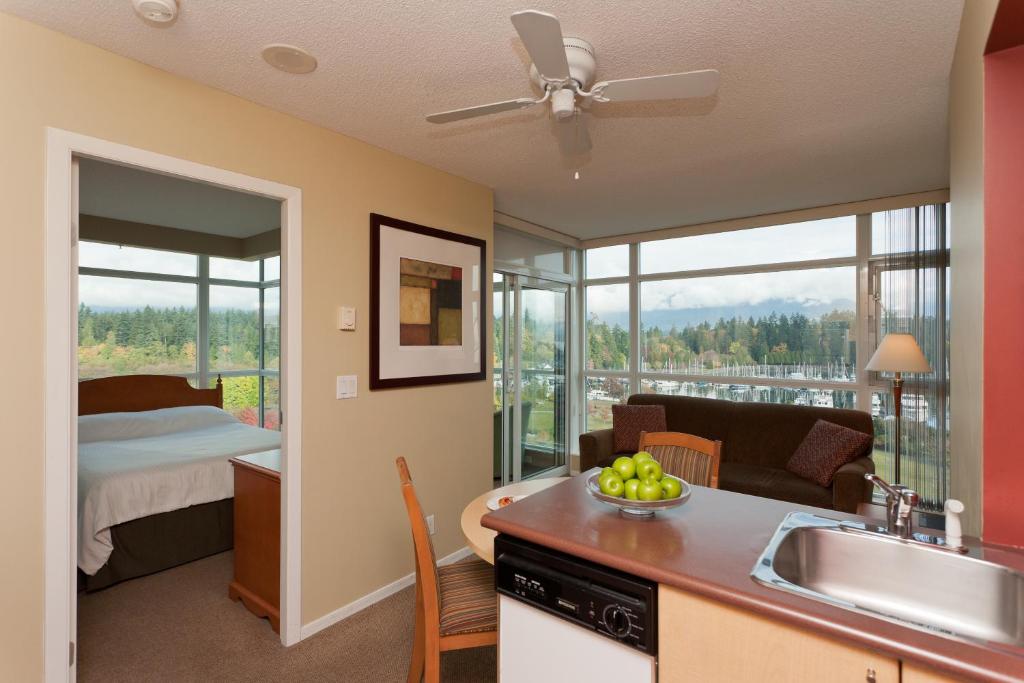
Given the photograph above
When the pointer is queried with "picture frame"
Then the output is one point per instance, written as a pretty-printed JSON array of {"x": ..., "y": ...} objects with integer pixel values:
[{"x": 427, "y": 305}]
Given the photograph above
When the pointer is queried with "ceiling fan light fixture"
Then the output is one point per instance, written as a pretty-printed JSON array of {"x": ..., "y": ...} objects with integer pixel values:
[
  {"x": 563, "y": 103},
  {"x": 288, "y": 58}
]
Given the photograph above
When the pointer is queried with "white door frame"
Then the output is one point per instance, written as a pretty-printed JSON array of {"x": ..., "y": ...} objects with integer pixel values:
[{"x": 61, "y": 372}]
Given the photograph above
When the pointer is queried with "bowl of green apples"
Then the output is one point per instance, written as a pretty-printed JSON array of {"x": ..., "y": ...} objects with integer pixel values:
[{"x": 638, "y": 486}]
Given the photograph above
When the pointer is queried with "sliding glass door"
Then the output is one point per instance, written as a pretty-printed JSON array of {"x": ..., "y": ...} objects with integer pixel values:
[{"x": 530, "y": 376}]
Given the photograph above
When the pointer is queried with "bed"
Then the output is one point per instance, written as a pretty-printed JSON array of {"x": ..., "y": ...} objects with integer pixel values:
[{"x": 155, "y": 484}]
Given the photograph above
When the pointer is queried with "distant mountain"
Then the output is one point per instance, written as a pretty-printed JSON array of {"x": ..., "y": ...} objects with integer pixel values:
[{"x": 681, "y": 317}]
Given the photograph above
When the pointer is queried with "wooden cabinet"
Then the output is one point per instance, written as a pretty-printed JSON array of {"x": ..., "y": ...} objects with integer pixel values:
[
  {"x": 703, "y": 640},
  {"x": 916, "y": 674},
  {"x": 257, "y": 579}
]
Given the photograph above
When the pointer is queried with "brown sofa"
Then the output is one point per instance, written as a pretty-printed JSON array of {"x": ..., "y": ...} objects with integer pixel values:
[{"x": 757, "y": 442}]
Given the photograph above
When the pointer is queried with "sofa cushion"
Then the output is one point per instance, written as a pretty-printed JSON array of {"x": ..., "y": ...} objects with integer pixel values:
[
  {"x": 825, "y": 449},
  {"x": 773, "y": 483},
  {"x": 628, "y": 421},
  {"x": 708, "y": 418}
]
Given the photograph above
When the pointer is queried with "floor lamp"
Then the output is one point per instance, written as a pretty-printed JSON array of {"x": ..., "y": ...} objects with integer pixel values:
[{"x": 898, "y": 353}]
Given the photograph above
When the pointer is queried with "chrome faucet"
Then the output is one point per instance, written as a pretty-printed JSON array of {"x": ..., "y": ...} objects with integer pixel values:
[{"x": 900, "y": 502}]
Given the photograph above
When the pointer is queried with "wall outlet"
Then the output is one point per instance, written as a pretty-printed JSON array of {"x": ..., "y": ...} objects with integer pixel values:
[{"x": 430, "y": 524}]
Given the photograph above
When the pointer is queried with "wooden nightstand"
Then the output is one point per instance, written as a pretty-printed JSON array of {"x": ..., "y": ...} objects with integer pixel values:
[{"x": 257, "y": 581}]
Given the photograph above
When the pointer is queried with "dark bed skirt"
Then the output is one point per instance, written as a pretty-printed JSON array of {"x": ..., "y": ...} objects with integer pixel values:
[{"x": 151, "y": 544}]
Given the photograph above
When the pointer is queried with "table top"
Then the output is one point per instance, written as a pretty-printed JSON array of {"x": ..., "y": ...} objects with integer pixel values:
[
  {"x": 709, "y": 546},
  {"x": 267, "y": 460},
  {"x": 481, "y": 540}
]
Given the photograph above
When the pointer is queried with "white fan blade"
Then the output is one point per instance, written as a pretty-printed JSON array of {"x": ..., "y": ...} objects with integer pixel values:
[
  {"x": 667, "y": 87},
  {"x": 542, "y": 35},
  {"x": 482, "y": 110},
  {"x": 573, "y": 138}
]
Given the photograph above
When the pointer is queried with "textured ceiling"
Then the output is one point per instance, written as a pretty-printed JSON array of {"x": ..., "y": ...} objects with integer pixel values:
[
  {"x": 821, "y": 101},
  {"x": 128, "y": 194}
]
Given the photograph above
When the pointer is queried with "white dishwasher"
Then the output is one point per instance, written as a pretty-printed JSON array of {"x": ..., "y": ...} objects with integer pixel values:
[{"x": 563, "y": 619}]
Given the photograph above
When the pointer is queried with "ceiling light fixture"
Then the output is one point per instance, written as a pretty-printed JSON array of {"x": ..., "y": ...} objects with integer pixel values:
[
  {"x": 156, "y": 11},
  {"x": 575, "y": 175},
  {"x": 289, "y": 58}
]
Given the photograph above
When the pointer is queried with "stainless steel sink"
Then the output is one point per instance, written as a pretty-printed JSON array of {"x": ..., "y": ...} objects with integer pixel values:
[{"x": 912, "y": 584}]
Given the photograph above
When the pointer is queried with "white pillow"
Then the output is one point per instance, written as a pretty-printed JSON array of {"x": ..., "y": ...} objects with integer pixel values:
[{"x": 121, "y": 426}]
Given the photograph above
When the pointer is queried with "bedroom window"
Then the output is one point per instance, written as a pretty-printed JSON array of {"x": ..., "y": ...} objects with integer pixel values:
[
  {"x": 130, "y": 327},
  {"x": 144, "y": 311}
]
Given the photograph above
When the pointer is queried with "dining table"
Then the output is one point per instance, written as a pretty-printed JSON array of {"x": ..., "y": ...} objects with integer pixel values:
[{"x": 481, "y": 540}]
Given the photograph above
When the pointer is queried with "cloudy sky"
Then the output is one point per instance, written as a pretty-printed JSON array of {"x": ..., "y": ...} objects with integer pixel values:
[
  {"x": 119, "y": 293},
  {"x": 825, "y": 239}
]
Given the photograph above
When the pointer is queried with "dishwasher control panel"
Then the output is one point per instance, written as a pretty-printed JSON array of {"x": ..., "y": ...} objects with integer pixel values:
[{"x": 615, "y": 604}]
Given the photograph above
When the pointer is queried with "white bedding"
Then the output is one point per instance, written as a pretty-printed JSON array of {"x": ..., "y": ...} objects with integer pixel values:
[{"x": 133, "y": 465}]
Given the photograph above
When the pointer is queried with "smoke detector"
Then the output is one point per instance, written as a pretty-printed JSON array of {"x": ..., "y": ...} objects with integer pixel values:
[
  {"x": 157, "y": 11},
  {"x": 288, "y": 58}
]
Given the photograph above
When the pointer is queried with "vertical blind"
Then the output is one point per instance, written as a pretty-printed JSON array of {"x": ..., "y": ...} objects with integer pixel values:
[{"x": 910, "y": 281}]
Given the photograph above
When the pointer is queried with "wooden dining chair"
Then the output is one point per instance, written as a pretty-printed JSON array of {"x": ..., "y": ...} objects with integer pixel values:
[
  {"x": 691, "y": 458},
  {"x": 456, "y": 605}
]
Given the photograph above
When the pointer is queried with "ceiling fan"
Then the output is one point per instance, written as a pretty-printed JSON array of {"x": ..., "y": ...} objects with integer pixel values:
[{"x": 564, "y": 68}]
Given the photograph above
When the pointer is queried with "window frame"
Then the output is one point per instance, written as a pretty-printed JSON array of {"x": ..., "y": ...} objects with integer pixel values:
[
  {"x": 203, "y": 373},
  {"x": 862, "y": 331}
]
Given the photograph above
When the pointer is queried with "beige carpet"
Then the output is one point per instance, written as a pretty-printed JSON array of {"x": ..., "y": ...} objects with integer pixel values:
[{"x": 179, "y": 625}]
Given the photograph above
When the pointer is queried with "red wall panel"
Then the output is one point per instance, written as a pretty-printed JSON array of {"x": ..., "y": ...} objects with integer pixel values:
[{"x": 1003, "y": 479}]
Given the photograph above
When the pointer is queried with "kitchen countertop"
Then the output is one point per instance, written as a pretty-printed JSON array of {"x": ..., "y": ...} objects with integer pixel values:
[{"x": 709, "y": 546}]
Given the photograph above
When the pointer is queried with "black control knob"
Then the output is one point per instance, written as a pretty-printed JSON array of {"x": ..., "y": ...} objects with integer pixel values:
[{"x": 616, "y": 620}]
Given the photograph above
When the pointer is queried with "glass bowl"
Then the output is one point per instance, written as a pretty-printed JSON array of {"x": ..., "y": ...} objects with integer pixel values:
[{"x": 638, "y": 508}]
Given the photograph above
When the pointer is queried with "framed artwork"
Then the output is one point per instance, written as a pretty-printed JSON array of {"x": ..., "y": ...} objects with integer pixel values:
[{"x": 427, "y": 312}]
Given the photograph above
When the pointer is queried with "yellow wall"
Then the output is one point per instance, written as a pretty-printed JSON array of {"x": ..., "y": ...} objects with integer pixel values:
[
  {"x": 355, "y": 535},
  {"x": 967, "y": 278}
]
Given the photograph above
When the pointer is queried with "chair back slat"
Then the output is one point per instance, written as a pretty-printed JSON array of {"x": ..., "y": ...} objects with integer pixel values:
[
  {"x": 692, "y": 458},
  {"x": 426, "y": 562}
]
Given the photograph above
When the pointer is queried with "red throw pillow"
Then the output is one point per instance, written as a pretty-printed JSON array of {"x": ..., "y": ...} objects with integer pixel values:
[
  {"x": 629, "y": 421},
  {"x": 825, "y": 449}
]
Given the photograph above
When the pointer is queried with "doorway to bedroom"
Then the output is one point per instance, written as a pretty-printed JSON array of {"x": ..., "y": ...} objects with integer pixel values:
[
  {"x": 183, "y": 289},
  {"x": 179, "y": 358}
]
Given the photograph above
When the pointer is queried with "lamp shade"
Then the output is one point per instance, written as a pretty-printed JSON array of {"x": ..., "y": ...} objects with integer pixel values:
[{"x": 898, "y": 353}]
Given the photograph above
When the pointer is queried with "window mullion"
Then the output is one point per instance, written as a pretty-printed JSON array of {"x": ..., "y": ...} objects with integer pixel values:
[
  {"x": 261, "y": 360},
  {"x": 203, "y": 323},
  {"x": 634, "y": 318},
  {"x": 865, "y": 318}
]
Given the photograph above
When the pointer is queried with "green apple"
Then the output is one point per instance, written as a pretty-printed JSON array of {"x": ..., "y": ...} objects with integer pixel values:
[
  {"x": 647, "y": 469},
  {"x": 642, "y": 455},
  {"x": 605, "y": 471},
  {"x": 670, "y": 487},
  {"x": 649, "y": 489},
  {"x": 613, "y": 486},
  {"x": 605, "y": 476},
  {"x": 631, "y": 486},
  {"x": 625, "y": 467}
]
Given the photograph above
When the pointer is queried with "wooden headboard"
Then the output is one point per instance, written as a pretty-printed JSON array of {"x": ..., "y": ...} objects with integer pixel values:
[{"x": 133, "y": 393}]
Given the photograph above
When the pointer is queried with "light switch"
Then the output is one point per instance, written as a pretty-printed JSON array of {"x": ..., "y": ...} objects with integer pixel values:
[
  {"x": 346, "y": 386},
  {"x": 346, "y": 318}
]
